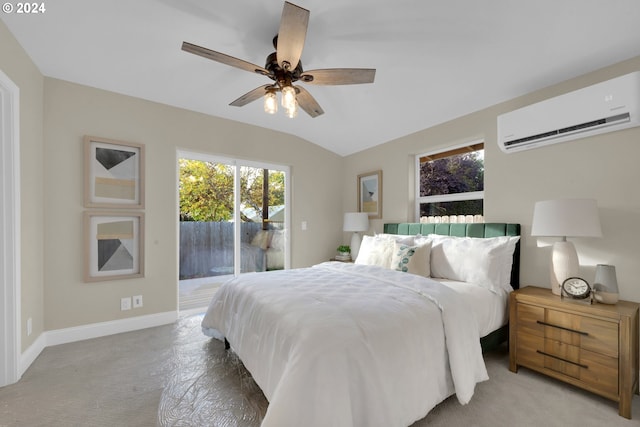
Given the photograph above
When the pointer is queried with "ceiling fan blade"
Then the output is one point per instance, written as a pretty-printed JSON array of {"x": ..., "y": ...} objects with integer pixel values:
[
  {"x": 251, "y": 96},
  {"x": 307, "y": 102},
  {"x": 339, "y": 76},
  {"x": 222, "y": 58},
  {"x": 291, "y": 36}
]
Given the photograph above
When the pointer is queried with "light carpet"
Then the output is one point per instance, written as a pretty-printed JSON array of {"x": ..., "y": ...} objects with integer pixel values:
[{"x": 175, "y": 376}]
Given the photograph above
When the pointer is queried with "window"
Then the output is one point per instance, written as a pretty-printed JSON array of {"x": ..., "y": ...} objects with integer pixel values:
[
  {"x": 450, "y": 184},
  {"x": 232, "y": 216}
]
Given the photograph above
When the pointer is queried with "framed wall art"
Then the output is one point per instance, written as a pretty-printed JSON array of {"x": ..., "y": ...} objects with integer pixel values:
[
  {"x": 114, "y": 174},
  {"x": 114, "y": 245},
  {"x": 370, "y": 194}
]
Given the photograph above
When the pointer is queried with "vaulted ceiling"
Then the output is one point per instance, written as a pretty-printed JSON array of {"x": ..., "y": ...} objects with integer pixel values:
[{"x": 435, "y": 60}]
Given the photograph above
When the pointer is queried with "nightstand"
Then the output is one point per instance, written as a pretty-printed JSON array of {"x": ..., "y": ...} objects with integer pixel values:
[
  {"x": 341, "y": 260},
  {"x": 594, "y": 347}
]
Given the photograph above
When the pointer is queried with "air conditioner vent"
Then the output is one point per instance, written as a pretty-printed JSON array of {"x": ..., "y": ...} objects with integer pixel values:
[
  {"x": 607, "y": 121},
  {"x": 603, "y": 107},
  {"x": 532, "y": 138},
  {"x": 619, "y": 118}
]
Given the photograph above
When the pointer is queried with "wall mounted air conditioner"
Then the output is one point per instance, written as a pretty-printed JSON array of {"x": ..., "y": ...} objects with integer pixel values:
[{"x": 604, "y": 107}]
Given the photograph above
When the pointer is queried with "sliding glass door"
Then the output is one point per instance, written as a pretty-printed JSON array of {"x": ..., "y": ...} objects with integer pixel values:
[
  {"x": 262, "y": 219},
  {"x": 233, "y": 216}
]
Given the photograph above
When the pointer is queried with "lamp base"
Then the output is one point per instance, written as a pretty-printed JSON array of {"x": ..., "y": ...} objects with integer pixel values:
[
  {"x": 564, "y": 264},
  {"x": 355, "y": 245}
]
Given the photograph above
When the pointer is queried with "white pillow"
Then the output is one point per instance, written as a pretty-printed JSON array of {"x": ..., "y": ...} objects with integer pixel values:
[
  {"x": 412, "y": 259},
  {"x": 400, "y": 238},
  {"x": 419, "y": 239},
  {"x": 375, "y": 250},
  {"x": 507, "y": 259},
  {"x": 484, "y": 262}
]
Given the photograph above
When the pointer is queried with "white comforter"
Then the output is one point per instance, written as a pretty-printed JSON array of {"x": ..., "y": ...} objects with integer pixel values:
[{"x": 341, "y": 344}]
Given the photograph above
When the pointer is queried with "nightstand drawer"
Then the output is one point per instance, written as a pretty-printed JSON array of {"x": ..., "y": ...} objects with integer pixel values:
[
  {"x": 589, "y": 333},
  {"x": 528, "y": 348},
  {"x": 562, "y": 357},
  {"x": 602, "y": 338},
  {"x": 596, "y": 371},
  {"x": 601, "y": 372},
  {"x": 529, "y": 319}
]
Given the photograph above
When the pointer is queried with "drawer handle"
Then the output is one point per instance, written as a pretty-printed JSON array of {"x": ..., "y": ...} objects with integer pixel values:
[
  {"x": 562, "y": 327},
  {"x": 561, "y": 359}
]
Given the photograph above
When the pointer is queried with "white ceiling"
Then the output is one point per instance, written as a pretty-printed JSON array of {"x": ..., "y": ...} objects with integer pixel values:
[{"x": 435, "y": 60}]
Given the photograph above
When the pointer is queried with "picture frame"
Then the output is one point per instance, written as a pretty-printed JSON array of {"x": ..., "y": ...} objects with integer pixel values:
[
  {"x": 114, "y": 245},
  {"x": 370, "y": 194},
  {"x": 114, "y": 173}
]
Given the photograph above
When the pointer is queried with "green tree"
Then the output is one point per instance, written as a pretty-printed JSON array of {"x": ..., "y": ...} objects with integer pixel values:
[
  {"x": 459, "y": 173},
  {"x": 252, "y": 188},
  {"x": 450, "y": 175},
  {"x": 206, "y": 190}
]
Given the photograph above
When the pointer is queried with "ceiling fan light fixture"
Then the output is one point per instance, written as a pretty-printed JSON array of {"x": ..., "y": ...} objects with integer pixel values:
[
  {"x": 288, "y": 97},
  {"x": 270, "y": 102},
  {"x": 292, "y": 112},
  {"x": 284, "y": 67}
]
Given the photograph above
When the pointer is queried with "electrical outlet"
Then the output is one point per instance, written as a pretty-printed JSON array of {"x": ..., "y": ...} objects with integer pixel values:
[
  {"x": 137, "y": 301},
  {"x": 125, "y": 303},
  {"x": 29, "y": 326}
]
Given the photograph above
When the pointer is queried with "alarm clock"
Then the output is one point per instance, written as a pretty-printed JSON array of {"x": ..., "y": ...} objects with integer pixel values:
[{"x": 576, "y": 288}]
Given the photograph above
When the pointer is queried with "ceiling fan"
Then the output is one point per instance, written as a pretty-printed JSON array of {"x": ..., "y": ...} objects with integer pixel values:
[{"x": 284, "y": 67}]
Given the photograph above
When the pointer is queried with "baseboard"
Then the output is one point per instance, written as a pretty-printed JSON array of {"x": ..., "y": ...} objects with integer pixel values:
[
  {"x": 94, "y": 330},
  {"x": 32, "y": 353}
]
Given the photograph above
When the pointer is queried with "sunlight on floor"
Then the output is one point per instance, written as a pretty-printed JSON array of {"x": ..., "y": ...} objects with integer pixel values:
[{"x": 196, "y": 293}]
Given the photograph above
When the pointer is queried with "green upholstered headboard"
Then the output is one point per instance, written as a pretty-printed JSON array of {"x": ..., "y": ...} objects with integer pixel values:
[{"x": 493, "y": 229}]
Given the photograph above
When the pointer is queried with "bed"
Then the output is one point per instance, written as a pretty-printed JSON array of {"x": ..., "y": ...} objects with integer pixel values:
[
  {"x": 485, "y": 230},
  {"x": 375, "y": 342}
]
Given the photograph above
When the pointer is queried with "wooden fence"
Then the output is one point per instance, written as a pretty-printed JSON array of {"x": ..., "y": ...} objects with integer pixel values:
[{"x": 205, "y": 245}]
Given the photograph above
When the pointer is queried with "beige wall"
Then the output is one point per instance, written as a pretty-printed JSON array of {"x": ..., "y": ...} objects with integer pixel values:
[
  {"x": 55, "y": 115},
  {"x": 54, "y": 295},
  {"x": 21, "y": 70},
  {"x": 604, "y": 167},
  {"x": 72, "y": 111}
]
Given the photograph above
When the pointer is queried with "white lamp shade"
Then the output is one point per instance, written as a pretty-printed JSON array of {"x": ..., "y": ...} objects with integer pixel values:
[
  {"x": 566, "y": 217},
  {"x": 356, "y": 221}
]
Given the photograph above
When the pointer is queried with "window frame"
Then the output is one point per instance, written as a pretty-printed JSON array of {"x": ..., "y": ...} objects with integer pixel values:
[{"x": 453, "y": 150}]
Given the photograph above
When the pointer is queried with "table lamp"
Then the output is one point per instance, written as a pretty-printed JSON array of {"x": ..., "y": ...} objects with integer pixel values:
[
  {"x": 565, "y": 218},
  {"x": 356, "y": 222}
]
